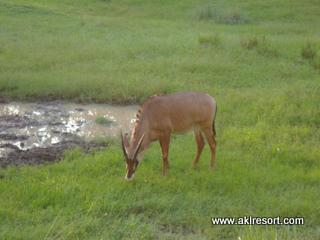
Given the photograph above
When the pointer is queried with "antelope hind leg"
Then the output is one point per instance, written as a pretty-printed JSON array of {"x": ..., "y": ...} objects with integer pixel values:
[
  {"x": 212, "y": 144},
  {"x": 164, "y": 143},
  {"x": 200, "y": 144}
]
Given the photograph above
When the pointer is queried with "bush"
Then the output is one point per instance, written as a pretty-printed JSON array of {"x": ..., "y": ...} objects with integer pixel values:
[
  {"x": 308, "y": 52},
  {"x": 208, "y": 13},
  {"x": 262, "y": 45}
]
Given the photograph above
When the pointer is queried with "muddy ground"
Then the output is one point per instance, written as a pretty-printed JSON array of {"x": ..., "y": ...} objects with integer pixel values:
[
  {"x": 41, "y": 155},
  {"x": 38, "y": 133},
  {"x": 17, "y": 148}
]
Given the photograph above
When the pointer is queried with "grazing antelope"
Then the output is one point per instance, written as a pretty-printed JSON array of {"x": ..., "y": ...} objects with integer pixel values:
[{"x": 160, "y": 116}]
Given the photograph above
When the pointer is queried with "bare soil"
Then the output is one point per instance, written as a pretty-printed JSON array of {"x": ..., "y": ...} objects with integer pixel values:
[{"x": 41, "y": 155}]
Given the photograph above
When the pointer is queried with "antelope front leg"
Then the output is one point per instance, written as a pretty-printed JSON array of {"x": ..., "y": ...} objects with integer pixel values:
[{"x": 164, "y": 143}]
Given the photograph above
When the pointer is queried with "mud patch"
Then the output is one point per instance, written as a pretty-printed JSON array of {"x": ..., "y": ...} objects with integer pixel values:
[
  {"x": 50, "y": 154},
  {"x": 37, "y": 133}
]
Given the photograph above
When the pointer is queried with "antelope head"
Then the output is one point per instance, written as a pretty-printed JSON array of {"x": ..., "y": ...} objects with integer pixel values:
[{"x": 131, "y": 153}]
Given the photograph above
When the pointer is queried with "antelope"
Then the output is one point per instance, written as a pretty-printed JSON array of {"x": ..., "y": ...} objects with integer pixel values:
[{"x": 160, "y": 116}]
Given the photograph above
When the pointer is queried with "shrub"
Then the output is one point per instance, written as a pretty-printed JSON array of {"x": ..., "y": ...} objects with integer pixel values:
[
  {"x": 308, "y": 52},
  {"x": 207, "y": 13},
  {"x": 209, "y": 40},
  {"x": 262, "y": 45}
]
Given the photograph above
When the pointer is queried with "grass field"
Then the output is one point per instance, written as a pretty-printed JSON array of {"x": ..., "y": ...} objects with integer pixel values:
[{"x": 259, "y": 59}]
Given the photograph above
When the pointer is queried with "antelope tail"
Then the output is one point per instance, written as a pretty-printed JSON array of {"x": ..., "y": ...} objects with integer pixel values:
[{"x": 213, "y": 126}]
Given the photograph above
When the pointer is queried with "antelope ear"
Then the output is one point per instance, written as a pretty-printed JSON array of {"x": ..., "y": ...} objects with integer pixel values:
[
  {"x": 124, "y": 148},
  {"x": 125, "y": 139}
]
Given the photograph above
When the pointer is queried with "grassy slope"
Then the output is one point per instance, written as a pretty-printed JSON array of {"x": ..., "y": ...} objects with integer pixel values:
[{"x": 104, "y": 51}]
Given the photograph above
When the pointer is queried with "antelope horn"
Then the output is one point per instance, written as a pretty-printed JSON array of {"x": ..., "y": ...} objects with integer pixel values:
[
  {"x": 123, "y": 146},
  {"x": 139, "y": 145}
]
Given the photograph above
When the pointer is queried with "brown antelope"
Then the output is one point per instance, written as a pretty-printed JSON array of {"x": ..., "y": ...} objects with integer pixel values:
[{"x": 160, "y": 116}]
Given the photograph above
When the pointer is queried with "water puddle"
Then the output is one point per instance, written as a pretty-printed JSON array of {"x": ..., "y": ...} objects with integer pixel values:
[{"x": 30, "y": 125}]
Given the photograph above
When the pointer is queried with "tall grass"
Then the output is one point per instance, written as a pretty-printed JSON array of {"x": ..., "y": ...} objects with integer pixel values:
[{"x": 261, "y": 72}]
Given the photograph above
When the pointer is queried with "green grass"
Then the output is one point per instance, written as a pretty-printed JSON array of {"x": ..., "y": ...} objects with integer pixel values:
[
  {"x": 121, "y": 52},
  {"x": 104, "y": 121},
  {"x": 86, "y": 197},
  {"x": 260, "y": 60}
]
